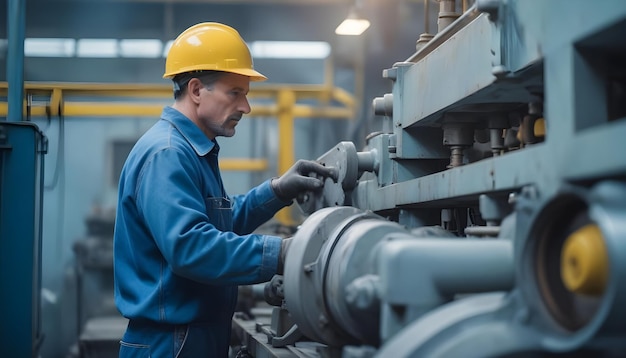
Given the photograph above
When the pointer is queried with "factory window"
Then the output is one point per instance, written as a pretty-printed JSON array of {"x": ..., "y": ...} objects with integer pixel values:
[
  {"x": 290, "y": 49},
  {"x": 37, "y": 47},
  {"x": 154, "y": 48},
  {"x": 97, "y": 48},
  {"x": 140, "y": 48}
]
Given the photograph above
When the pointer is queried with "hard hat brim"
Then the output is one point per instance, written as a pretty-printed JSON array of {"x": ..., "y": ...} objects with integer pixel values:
[{"x": 254, "y": 76}]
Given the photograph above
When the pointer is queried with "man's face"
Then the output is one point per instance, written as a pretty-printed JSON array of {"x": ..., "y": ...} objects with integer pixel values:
[{"x": 223, "y": 104}]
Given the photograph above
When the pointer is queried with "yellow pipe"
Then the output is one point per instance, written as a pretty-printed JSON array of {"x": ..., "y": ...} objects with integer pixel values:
[
  {"x": 344, "y": 97},
  {"x": 97, "y": 89},
  {"x": 136, "y": 109},
  {"x": 35, "y": 111},
  {"x": 300, "y": 111},
  {"x": 58, "y": 94},
  {"x": 244, "y": 164},
  {"x": 56, "y": 102},
  {"x": 160, "y": 90},
  {"x": 89, "y": 109},
  {"x": 286, "y": 101}
]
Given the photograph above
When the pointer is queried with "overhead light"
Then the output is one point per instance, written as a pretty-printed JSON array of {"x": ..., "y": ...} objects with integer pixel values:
[{"x": 353, "y": 25}]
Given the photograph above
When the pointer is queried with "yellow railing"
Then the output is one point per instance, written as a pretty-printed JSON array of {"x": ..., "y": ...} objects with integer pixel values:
[{"x": 137, "y": 100}]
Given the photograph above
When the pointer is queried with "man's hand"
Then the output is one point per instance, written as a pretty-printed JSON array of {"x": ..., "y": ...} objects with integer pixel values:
[{"x": 303, "y": 176}]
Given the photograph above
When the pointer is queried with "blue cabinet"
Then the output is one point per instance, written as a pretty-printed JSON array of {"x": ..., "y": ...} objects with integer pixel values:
[{"x": 22, "y": 150}]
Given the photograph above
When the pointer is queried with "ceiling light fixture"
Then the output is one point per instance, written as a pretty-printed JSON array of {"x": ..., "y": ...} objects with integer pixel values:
[{"x": 354, "y": 24}]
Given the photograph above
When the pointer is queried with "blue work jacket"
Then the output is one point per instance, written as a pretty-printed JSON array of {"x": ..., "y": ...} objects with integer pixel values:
[{"x": 181, "y": 244}]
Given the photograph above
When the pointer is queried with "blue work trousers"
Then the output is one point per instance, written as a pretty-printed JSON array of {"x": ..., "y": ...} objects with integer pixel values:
[{"x": 197, "y": 340}]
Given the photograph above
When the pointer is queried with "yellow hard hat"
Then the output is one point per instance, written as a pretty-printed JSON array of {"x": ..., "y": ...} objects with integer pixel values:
[{"x": 210, "y": 46}]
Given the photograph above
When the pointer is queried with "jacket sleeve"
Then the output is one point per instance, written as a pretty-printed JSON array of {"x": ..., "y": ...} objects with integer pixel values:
[
  {"x": 255, "y": 208},
  {"x": 170, "y": 201}
]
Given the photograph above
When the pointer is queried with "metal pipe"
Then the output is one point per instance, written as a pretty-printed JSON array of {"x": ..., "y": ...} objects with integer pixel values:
[
  {"x": 426, "y": 16},
  {"x": 113, "y": 100},
  {"x": 16, "y": 20},
  {"x": 368, "y": 161},
  {"x": 496, "y": 140},
  {"x": 456, "y": 156},
  {"x": 426, "y": 36},
  {"x": 445, "y": 34},
  {"x": 447, "y": 14},
  {"x": 437, "y": 269}
]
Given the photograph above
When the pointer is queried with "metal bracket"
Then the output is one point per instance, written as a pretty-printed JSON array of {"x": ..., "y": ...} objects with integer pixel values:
[{"x": 290, "y": 337}]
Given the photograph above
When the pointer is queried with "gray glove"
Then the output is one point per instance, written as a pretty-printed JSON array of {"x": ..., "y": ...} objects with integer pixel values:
[{"x": 305, "y": 175}]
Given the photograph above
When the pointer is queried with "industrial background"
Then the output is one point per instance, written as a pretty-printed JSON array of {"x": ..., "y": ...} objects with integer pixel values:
[{"x": 491, "y": 131}]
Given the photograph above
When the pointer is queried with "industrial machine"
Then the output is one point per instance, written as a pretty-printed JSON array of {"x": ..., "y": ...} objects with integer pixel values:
[{"x": 487, "y": 218}]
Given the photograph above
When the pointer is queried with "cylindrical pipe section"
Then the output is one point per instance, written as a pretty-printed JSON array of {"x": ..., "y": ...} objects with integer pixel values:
[
  {"x": 447, "y": 14},
  {"x": 457, "y": 136},
  {"x": 426, "y": 16},
  {"x": 367, "y": 161},
  {"x": 456, "y": 156},
  {"x": 477, "y": 266},
  {"x": 497, "y": 141},
  {"x": 427, "y": 272},
  {"x": 422, "y": 41},
  {"x": 383, "y": 106},
  {"x": 16, "y": 19}
]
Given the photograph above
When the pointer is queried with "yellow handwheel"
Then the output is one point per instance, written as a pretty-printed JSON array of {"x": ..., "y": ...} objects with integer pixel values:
[{"x": 584, "y": 261}]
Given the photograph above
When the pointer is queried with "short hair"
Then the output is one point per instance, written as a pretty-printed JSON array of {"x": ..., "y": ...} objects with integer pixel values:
[{"x": 208, "y": 79}]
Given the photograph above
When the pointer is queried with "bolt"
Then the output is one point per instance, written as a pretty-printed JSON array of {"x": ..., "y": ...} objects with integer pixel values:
[
  {"x": 512, "y": 198},
  {"x": 530, "y": 192},
  {"x": 361, "y": 293},
  {"x": 359, "y": 296}
]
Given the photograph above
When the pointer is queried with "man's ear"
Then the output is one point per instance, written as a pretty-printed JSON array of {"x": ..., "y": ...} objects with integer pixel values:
[{"x": 193, "y": 89}]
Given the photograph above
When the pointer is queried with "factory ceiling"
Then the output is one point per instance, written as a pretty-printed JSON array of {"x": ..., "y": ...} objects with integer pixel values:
[{"x": 287, "y": 2}]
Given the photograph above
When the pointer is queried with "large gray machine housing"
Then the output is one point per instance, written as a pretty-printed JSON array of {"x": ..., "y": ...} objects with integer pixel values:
[{"x": 487, "y": 218}]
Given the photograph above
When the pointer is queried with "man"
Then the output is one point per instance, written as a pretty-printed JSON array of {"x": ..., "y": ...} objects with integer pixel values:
[{"x": 181, "y": 244}]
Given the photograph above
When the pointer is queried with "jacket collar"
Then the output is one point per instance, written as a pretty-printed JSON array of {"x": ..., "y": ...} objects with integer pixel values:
[{"x": 190, "y": 131}]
